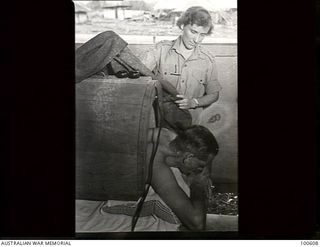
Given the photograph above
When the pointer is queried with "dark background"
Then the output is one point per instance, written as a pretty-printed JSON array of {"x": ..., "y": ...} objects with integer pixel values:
[{"x": 277, "y": 122}]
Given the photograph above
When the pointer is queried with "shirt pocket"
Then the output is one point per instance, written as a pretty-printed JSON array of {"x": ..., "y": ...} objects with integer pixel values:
[
  {"x": 169, "y": 71},
  {"x": 197, "y": 87},
  {"x": 199, "y": 75}
]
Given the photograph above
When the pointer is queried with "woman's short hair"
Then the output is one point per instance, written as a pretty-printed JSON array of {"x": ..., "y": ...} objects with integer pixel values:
[
  {"x": 197, "y": 140},
  {"x": 196, "y": 15}
]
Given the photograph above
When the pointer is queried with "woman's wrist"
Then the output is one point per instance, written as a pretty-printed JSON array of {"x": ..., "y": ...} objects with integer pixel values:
[{"x": 196, "y": 103}]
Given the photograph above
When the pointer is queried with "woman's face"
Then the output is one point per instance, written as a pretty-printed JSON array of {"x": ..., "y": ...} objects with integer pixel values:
[{"x": 193, "y": 35}]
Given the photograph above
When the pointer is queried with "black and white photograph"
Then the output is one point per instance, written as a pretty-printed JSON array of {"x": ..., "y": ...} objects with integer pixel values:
[
  {"x": 162, "y": 120},
  {"x": 156, "y": 116}
]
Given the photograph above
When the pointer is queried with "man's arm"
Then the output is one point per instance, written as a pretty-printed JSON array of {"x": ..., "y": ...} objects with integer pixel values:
[{"x": 191, "y": 211}]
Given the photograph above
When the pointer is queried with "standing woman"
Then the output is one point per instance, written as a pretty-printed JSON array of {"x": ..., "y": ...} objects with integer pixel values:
[{"x": 186, "y": 65}]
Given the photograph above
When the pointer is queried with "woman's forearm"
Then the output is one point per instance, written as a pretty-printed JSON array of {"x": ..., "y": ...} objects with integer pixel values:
[{"x": 208, "y": 99}]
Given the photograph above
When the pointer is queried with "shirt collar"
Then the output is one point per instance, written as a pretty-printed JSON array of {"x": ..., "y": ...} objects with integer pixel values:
[
  {"x": 196, "y": 53},
  {"x": 175, "y": 44}
]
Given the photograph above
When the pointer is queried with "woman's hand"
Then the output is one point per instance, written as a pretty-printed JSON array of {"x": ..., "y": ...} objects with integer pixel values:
[{"x": 185, "y": 103}]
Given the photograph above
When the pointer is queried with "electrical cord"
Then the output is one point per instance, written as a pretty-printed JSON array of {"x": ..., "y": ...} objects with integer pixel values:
[{"x": 149, "y": 177}]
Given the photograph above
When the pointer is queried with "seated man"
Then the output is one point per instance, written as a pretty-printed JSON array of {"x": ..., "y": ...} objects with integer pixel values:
[{"x": 182, "y": 158}]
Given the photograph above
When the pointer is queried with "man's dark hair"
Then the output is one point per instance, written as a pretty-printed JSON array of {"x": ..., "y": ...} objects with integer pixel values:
[
  {"x": 196, "y": 15},
  {"x": 197, "y": 140}
]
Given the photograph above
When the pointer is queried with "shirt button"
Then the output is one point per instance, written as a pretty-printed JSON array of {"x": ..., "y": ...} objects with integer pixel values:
[
  {"x": 182, "y": 81},
  {"x": 165, "y": 73},
  {"x": 185, "y": 65}
]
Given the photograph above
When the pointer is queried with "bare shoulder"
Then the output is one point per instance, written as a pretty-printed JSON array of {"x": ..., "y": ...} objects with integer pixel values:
[
  {"x": 163, "y": 150},
  {"x": 167, "y": 134}
]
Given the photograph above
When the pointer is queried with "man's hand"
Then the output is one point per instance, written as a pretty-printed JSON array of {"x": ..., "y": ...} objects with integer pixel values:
[
  {"x": 202, "y": 169},
  {"x": 201, "y": 182},
  {"x": 201, "y": 179},
  {"x": 186, "y": 103}
]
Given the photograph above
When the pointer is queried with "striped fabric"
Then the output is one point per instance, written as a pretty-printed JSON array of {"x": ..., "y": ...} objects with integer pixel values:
[{"x": 152, "y": 207}]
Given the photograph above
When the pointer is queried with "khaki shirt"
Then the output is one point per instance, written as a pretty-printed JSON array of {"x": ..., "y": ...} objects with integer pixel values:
[{"x": 193, "y": 77}]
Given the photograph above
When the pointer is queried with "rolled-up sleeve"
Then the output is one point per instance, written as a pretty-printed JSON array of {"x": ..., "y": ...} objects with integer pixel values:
[{"x": 212, "y": 84}]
